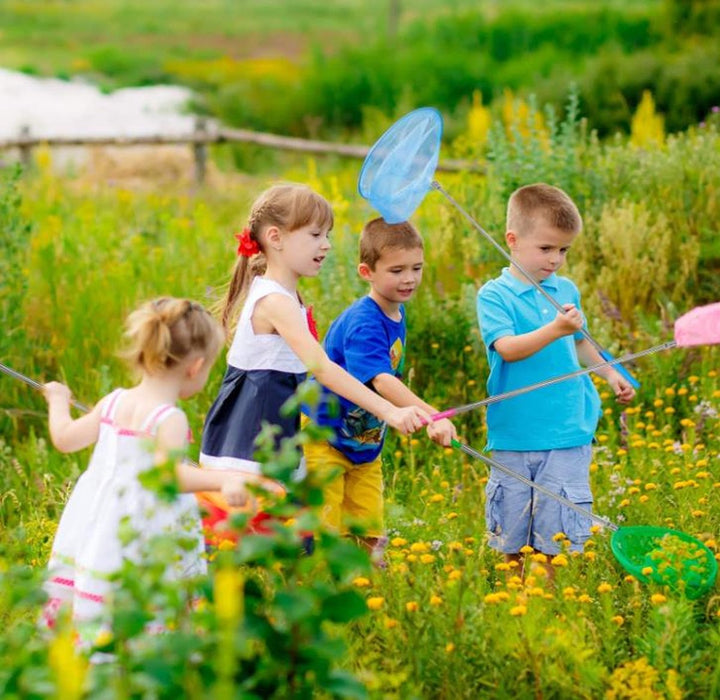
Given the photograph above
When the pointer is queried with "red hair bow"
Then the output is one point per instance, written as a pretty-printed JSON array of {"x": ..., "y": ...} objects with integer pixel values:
[{"x": 247, "y": 246}]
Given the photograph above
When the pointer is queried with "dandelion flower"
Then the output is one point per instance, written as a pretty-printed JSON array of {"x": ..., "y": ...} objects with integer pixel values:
[{"x": 375, "y": 603}]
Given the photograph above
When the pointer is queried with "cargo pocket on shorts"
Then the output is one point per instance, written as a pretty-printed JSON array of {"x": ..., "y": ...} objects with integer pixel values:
[
  {"x": 576, "y": 525},
  {"x": 493, "y": 507}
]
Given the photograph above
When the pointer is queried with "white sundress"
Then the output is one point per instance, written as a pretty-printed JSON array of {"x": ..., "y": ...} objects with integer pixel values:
[{"x": 87, "y": 548}]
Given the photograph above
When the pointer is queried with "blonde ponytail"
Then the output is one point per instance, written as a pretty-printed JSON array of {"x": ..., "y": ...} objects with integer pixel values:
[{"x": 165, "y": 331}]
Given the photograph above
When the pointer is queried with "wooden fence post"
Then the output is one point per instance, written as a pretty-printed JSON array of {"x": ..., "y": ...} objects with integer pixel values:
[
  {"x": 200, "y": 151},
  {"x": 25, "y": 149}
]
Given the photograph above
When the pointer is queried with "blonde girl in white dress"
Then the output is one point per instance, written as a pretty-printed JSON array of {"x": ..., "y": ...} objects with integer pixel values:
[{"x": 173, "y": 344}]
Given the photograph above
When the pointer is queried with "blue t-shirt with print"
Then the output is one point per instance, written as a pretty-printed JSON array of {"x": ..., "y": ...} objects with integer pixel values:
[
  {"x": 554, "y": 417},
  {"x": 365, "y": 343}
]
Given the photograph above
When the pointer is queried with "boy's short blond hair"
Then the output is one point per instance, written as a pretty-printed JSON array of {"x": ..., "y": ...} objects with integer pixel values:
[
  {"x": 540, "y": 201},
  {"x": 378, "y": 236}
]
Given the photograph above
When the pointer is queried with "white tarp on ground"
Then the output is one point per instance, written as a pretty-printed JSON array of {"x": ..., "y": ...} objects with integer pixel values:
[{"x": 51, "y": 107}]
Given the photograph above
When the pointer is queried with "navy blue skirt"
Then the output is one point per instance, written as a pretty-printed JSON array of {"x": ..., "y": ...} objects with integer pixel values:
[{"x": 247, "y": 399}]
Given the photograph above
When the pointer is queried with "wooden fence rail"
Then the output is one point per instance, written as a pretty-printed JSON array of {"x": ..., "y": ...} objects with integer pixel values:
[{"x": 199, "y": 140}]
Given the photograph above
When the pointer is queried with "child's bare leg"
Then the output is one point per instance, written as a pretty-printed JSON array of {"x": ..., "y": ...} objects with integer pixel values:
[
  {"x": 375, "y": 547},
  {"x": 523, "y": 568}
]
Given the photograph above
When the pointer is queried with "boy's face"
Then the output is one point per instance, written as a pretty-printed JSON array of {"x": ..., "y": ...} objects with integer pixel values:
[
  {"x": 540, "y": 252},
  {"x": 396, "y": 276}
]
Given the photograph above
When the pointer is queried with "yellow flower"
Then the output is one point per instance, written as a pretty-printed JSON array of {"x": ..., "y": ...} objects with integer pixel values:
[
  {"x": 375, "y": 603},
  {"x": 437, "y": 498},
  {"x": 657, "y": 598},
  {"x": 419, "y": 547},
  {"x": 539, "y": 557},
  {"x": 453, "y": 515},
  {"x": 526, "y": 549},
  {"x": 398, "y": 541},
  {"x": 559, "y": 560},
  {"x": 604, "y": 587},
  {"x": 427, "y": 558},
  {"x": 584, "y": 598},
  {"x": 647, "y": 570},
  {"x": 228, "y": 594},
  {"x": 590, "y": 556},
  {"x": 518, "y": 610},
  {"x": 449, "y": 648},
  {"x": 455, "y": 575},
  {"x": 618, "y": 620},
  {"x": 436, "y": 600},
  {"x": 411, "y": 606},
  {"x": 361, "y": 582},
  {"x": 502, "y": 566},
  {"x": 569, "y": 592},
  {"x": 390, "y": 623},
  {"x": 68, "y": 667}
]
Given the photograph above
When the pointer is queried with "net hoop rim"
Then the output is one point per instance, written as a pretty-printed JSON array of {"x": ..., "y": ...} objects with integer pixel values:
[
  {"x": 436, "y": 116},
  {"x": 692, "y": 591}
]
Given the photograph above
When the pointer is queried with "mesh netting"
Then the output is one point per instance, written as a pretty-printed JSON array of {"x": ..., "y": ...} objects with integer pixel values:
[
  {"x": 399, "y": 169},
  {"x": 668, "y": 557}
]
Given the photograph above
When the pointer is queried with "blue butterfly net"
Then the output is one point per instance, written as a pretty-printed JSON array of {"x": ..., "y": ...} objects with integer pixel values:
[{"x": 399, "y": 169}]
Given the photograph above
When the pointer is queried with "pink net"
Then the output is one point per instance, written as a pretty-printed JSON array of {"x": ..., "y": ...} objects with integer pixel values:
[{"x": 701, "y": 326}]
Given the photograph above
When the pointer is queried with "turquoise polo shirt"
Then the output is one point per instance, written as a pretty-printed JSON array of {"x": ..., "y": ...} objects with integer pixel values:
[{"x": 554, "y": 417}]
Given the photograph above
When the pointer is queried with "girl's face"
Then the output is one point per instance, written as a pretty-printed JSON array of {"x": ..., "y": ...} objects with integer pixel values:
[{"x": 305, "y": 248}]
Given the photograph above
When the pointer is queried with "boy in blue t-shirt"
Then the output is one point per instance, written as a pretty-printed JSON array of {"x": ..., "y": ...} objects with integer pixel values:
[
  {"x": 368, "y": 340},
  {"x": 546, "y": 434}
]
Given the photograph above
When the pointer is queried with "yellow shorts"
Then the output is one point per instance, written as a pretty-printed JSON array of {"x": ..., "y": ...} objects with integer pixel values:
[{"x": 355, "y": 497}]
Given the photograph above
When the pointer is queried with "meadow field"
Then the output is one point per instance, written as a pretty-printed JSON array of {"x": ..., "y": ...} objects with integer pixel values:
[{"x": 446, "y": 618}]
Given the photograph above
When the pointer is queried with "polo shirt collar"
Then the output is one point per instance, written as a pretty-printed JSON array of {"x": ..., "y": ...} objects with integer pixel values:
[{"x": 519, "y": 286}]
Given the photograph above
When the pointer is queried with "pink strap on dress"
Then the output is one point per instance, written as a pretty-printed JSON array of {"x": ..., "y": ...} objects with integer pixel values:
[
  {"x": 157, "y": 416},
  {"x": 111, "y": 405}
]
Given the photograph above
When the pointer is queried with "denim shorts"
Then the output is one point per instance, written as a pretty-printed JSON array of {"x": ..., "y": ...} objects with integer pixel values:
[{"x": 517, "y": 515}]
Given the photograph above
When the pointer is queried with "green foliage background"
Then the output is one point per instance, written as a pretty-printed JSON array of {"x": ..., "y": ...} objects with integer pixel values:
[{"x": 444, "y": 620}]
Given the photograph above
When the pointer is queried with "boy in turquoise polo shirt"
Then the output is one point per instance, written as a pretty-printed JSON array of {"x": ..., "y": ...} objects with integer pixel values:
[{"x": 546, "y": 434}]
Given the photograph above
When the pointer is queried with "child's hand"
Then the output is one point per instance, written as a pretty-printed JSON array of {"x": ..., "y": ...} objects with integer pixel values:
[
  {"x": 234, "y": 491},
  {"x": 569, "y": 322},
  {"x": 408, "y": 419},
  {"x": 55, "y": 391},
  {"x": 442, "y": 432},
  {"x": 624, "y": 391}
]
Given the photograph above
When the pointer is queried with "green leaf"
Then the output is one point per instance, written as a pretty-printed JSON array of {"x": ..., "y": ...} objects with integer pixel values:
[
  {"x": 295, "y": 605},
  {"x": 255, "y": 547},
  {"x": 344, "y": 607},
  {"x": 344, "y": 685}
]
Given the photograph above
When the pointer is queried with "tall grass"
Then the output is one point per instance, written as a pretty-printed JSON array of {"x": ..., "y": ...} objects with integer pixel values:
[{"x": 446, "y": 618}]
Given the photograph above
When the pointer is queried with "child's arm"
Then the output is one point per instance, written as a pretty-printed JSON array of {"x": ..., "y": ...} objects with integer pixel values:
[
  {"x": 392, "y": 389},
  {"x": 518, "y": 347},
  {"x": 172, "y": 440},
  {"x": 588, "y": 356},
  {"x": 283, "y": 314},
  {"x": 66, "y": 433}
]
